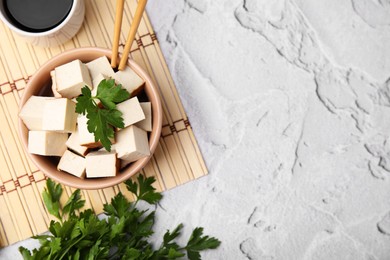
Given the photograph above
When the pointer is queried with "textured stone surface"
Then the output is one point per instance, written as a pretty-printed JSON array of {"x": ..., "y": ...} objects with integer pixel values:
[{"x": 290, "y": 103}]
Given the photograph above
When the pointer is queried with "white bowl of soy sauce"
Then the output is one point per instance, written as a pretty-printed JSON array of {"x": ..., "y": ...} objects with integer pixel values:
[{"x": 43, "y": 22}]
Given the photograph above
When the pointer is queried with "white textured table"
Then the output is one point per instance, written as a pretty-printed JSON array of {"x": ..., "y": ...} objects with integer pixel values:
[{"x": 290, "y": 104}]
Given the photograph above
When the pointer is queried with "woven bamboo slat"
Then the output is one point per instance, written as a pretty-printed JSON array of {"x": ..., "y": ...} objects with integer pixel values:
[{"x": 177, "y": 159}]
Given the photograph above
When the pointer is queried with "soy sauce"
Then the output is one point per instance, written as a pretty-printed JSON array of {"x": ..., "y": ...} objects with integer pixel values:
[{"x": 37, "y": 15}]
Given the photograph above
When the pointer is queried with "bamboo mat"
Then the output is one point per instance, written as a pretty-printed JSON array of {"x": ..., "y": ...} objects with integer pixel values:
[{"x": 177, "y": 158}]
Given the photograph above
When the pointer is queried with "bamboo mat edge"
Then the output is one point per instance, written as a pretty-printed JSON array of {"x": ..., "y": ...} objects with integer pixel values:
[{"x": 177, "y": 159}]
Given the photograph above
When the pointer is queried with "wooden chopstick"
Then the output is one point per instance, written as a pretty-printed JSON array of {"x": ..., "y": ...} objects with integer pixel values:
[
  {"x": 133, "y": 29},
  {"x": 117, "y": 32}
]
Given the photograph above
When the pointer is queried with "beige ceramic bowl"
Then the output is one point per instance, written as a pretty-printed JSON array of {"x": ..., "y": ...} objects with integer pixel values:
[{"x": 46, "y": 164}]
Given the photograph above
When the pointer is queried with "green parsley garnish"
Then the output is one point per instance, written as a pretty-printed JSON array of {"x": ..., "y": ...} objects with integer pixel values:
[
  {"x": 122, "y": 234},
  {"x": 101, "y": 120}
]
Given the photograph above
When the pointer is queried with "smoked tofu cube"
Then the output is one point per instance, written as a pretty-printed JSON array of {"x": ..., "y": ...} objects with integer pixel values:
[
  {"x": 129, "y": 80},
  {"x": 73, "y": 144},
  {"x": 47, "y": 143},
  {"x": 71, "y": 78},
  {"x": 86, "y": 138},
  {"x": 59, "y": 115},
  {"x": 101, "y": 164},
  {"x": 73, "y": 164},
  {"x": 32, "y": 112},
  {"x": 131, "y": 111},
  {"x": 54, "y": 84},
  {"x": 131, "y": 144},
  {"x": 100, "y": 66},
  {"x": 146, "y": 124}
]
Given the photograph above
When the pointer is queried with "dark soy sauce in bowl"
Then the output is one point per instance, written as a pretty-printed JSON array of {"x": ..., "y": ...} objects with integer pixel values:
[{"x": 37, "y": 15}]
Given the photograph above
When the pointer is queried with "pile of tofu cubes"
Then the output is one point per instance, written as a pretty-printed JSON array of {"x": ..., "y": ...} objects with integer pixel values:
[{"x": 55, "y": 129}]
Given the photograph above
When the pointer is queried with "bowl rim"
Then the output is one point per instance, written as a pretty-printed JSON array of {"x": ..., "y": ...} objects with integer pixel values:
[{"x": 92, "y": 183}]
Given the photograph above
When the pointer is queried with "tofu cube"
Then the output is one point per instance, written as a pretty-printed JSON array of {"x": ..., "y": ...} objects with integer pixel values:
[
  {"x": 32, "y": 112},
  {"x": 100, "y": 66},
  {"x": 59, "y": 115},
  {"x": 71, "y": 78},
  {"x": 131, "y": 144},
  {"x": 129, "y": 80},
  {"x": 131, "y": 111},
  {"x": 47, "y": 143},
  {"x": 86, "y": 138},
  {"x": 123, "y": 164},
  {"x": 73, "y": 144},
  {"x": 101, "y": 164},
  {"x": 146, "y": 124},
  {"x": 54, "y": 84},
  {"x": 73, "y": 164}
]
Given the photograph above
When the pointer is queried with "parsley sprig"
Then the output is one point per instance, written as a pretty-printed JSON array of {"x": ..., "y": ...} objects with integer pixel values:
[
  {"x": 122, "y": 234},
  {"x": 101, "y": 120}
]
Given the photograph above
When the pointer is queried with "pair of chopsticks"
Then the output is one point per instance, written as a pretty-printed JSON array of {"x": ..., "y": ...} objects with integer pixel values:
[{"x": 130, "y": 38}]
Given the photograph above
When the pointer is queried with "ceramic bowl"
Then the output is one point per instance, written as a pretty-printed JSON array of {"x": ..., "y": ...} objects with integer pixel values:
[{"x": 40, "y": 83}]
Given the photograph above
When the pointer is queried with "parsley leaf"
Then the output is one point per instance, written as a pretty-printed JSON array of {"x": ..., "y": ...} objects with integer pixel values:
[
  {"x": 122, "y": 234},
  {"x": 74, "y": 203},
  {"x": 118, "y": 207},
  {"x": 98, "y": 124},
  {"x": 51, "y": 197},
  {"x": 169, "y": 236},
  {"x": 144, "y": 189},
  {"x": 110, "y": 94},
  {"x": 197, "y": 243},
  {"x": 113, "y": 117},
  {"x": 101, "y": 120},
  {"x": 85, "y": 103}
]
